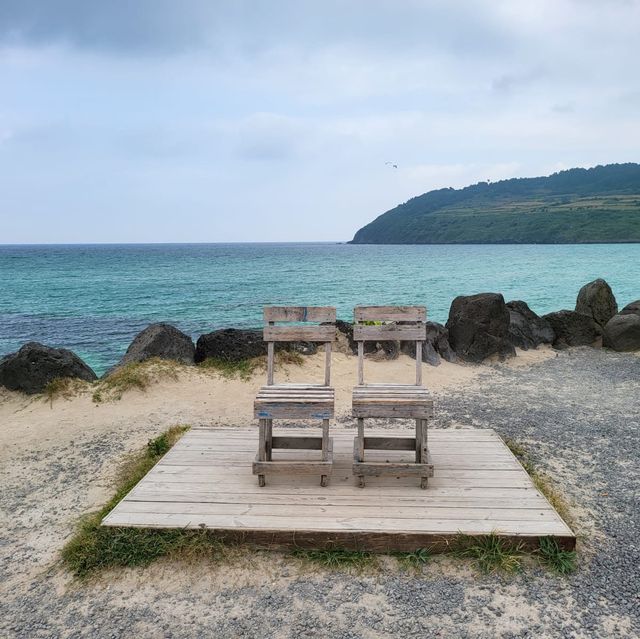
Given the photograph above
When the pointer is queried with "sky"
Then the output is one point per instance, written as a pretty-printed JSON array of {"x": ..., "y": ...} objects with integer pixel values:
[{"x": 275, "y": 120}]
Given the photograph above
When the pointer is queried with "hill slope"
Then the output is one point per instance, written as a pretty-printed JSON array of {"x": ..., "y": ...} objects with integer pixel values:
[{"x": 601, "y": 204}]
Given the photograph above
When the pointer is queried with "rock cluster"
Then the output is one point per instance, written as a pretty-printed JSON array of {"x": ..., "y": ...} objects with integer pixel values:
[{"x": 479, "y": 326}]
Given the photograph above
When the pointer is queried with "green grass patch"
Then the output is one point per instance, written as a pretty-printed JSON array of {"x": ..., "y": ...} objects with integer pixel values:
[
  {"x": 490, "y": 553},
  {"x": 135, "y": 376},
  {"x": 337, "y": 558},
  {"x": 414, "y": 559},
  {"x": 552, "y": 556},
  {"x": 94, "y": 547}
]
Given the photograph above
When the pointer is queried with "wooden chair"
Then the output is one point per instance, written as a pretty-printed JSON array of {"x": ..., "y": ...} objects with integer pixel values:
[
  {"x": 295, "y": 401},
  {"x": 411, "y": 401}
]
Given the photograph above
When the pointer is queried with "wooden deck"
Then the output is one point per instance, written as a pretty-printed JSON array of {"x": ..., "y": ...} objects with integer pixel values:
[{"x": 479, "y": 487}]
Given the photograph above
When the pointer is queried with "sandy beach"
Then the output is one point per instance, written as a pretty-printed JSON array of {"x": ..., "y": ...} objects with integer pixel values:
[{"x": 576, "y": 411}]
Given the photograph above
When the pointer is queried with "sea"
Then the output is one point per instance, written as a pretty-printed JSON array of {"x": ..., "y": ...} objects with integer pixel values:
[{"x": 93, "y": 299}]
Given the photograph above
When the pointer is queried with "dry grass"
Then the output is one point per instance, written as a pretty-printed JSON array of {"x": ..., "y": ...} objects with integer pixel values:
[
  {"x": 64, "y": 388},
  {"x": 135, "y": 376}
]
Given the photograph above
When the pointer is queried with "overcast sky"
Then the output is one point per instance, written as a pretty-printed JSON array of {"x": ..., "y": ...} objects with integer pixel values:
[{"x": 204, "y": 121}]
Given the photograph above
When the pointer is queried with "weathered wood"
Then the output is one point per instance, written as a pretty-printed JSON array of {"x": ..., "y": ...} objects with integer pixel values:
[
  {"x": 299, "y": 314},
  {"x": 282, "y": 442},
  {"x": 404, "y": 469},
  {"x": 292, "y": 468},
  {"x": 391, "y": 410},
  {"x": 327, "y": 364},
  {"x": 418, "y": 363},
  {"x": 389, "y": 443},
  {"x": 221, "y": 494},
  {"x": 270, "y": 363},
  {"x": 387, "y": 332},
  {"x": 360, "y": 362},
  {"x": 390, "y": 313},
  {"x": 299, "y": 333}
]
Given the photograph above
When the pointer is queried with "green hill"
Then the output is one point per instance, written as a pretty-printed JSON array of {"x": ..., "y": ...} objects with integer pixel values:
[{"x": 601, "y": 204}]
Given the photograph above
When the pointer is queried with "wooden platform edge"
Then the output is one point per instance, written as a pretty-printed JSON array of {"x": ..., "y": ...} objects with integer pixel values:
[{"x": 377, "y": 542}]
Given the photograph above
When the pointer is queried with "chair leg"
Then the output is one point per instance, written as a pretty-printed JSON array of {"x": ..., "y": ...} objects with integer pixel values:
[
  {"x": 269, "y": 439},
  {"x": 262, "y": 447},
  {"x": 325, "y": 448},
  {"x": 424, "y": 455},
  {"x": 360, "y": 448},
  {"x": 418, "y": 441}
]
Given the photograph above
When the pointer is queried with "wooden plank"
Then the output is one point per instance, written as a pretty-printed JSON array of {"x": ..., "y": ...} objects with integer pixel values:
[
  {"x": 291, "y": 468},
  {"x": 299, "y": 314},
  {"x": 341, "y": 512},
  {"x": 297, "y": 443},
  {"x": 405, "y": 469},
  {"x": 203, "y": 493},
  {"x": 389, "y": 332},
  {"x": 304, "y": 409},
  {"x": 390, "y": 313},
  {"x": 392, "y": 410},
  {"x": 363, "y": 524},
  {"x": 390, "y": 443},
  {"x": 299, "y": 333}
]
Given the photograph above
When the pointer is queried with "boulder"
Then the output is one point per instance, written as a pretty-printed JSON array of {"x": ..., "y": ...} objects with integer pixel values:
[
  {"x": 622, "y": 332},
  {"x": 478, "y": 327},
  {"x": 596, "y": 300},
  {"x": 237, "y": 344},
  {"x": 160, "y": 340},
  {"x": 634, "y": 307},
  {"x": 35, "y": 365},
  {"x": 572, "y": 328},
  {"x": 231, "y": 344},
  {"x": 379, "y": 350},
  {"x": 526, "y": 329},
  {"x": 435, "y": 347}
]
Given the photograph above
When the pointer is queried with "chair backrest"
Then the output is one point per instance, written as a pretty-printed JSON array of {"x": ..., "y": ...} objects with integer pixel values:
[
  {"x": 382, "y": 323},
  {"x": 324, "y": 330}
]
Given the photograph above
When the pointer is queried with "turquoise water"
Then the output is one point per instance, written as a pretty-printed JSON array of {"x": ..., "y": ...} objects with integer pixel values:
[{"x": 94, "y": 298}]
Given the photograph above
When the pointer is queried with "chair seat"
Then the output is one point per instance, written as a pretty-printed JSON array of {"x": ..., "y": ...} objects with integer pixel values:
[
  {"x": 298, "y": 401},
  {"x": 391, "y": 400}
]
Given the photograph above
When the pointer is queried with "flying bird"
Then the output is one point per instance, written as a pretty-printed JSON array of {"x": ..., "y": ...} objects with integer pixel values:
[{"x": 395, "y": 166}]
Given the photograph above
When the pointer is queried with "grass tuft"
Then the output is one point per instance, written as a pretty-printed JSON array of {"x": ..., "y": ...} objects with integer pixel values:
[
  {"x": 62, "y": 388},
  {"x": 337, "y": 557},
  {"x": 491, "y": 553},
  {"x": 552, "y": 556},
  {"x": 414, "y": 559},
  {"x": 94, "y": 547},
  {"x": 135, "y": 376}
]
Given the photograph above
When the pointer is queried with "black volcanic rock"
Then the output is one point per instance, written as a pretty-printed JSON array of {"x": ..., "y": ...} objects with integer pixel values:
[
  {"x": 526, "y": 329},
  {"x": 478, "y": 327},
  {"x": 230, "y": 344},
  {"x": 633, "y": 307},
  {"x": 572, "y": 328},
  {"x": 35, "y": 365},
  {"x": 237, "y": 344},
  {"x": 436, "y": 345},
  {"x": 622, "y": 332},
  {"x": 160, "y": 340},
  {"x": 596, "y": 299}
]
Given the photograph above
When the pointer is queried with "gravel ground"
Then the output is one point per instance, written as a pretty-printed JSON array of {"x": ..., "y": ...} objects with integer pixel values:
[{"x": 578, "y": 414}]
